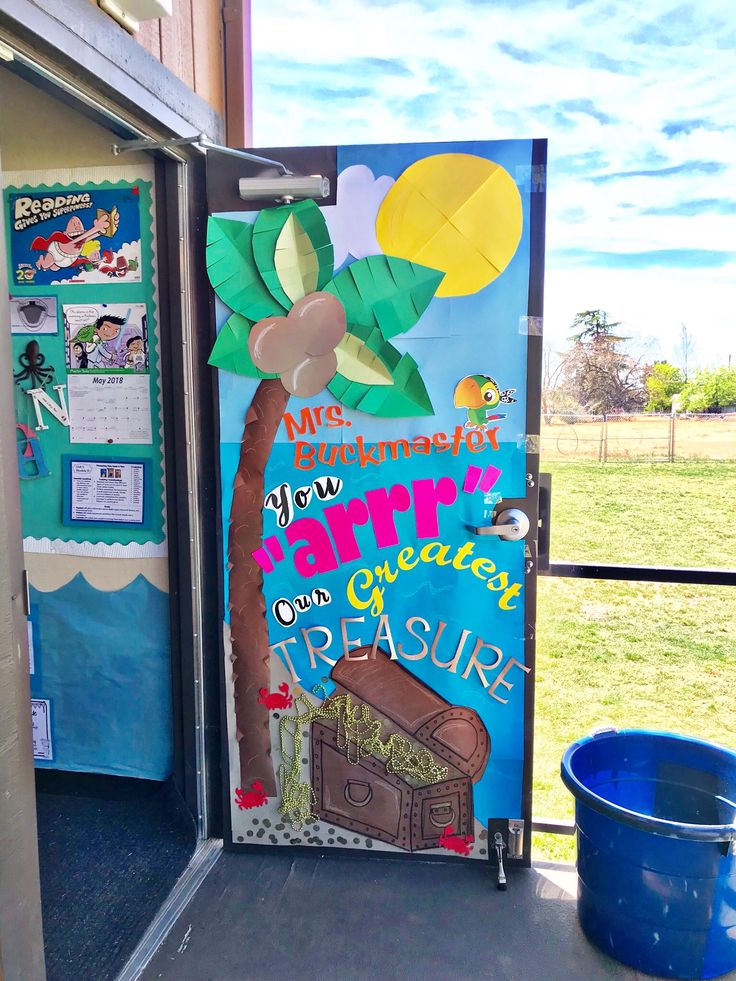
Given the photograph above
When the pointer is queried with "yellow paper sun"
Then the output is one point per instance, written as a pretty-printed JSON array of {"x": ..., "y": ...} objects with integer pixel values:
[{"x": 457, "y": 213}]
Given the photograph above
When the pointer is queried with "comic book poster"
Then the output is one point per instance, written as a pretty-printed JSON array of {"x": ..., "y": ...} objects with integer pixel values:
[
  {"x": 108, "y": 372},
  {"x": 74, "y": 234},
  {"x": 373, "y": 401},
  {"x": 106, "y": 337}
]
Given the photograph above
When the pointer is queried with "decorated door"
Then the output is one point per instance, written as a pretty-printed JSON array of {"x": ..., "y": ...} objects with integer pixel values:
[{"x": 378, "y": 361}]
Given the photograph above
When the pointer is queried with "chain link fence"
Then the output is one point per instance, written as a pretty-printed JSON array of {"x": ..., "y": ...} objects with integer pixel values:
[{"x": 647, "y": 437}]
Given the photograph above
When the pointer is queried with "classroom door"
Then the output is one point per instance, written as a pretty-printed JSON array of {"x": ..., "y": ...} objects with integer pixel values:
[{"x": 378, "y": 355}]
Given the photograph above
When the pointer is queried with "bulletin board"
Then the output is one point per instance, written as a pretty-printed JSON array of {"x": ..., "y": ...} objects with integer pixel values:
[
  {"x": 84, "y": 326},
  {"x": 375, "y": 398},
  {"x": 84, "y": 321}
]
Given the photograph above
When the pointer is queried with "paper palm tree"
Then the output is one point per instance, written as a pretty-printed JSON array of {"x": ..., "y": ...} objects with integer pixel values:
[{"x": 299, "y": 329}]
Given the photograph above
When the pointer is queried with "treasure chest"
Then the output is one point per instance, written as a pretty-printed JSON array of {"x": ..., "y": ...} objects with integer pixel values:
[{"x": 395, "y": 761}]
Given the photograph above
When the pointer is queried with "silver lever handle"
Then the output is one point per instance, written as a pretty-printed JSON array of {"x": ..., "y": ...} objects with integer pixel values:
[
  {"x": 499, "y": 846},
  {"x": 511, "y": 526}
]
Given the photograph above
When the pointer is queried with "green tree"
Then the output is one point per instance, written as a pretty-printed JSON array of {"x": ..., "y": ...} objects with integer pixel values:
[
  {"x": 663, "y": 380},
  {"x": 596, "y": 373},
  {"x": 595, "y": 327},
  {"x": 711, "y": 391}
]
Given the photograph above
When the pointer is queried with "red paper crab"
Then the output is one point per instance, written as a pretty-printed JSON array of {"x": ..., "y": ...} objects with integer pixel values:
[
  {"x": 455, "y": 843},
  {"x": 280, "y": 699},
  {"x": 248, "y": 799}
]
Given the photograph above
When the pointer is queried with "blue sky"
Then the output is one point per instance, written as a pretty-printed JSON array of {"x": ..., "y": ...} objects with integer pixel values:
[{"x": 636, "y": 100}]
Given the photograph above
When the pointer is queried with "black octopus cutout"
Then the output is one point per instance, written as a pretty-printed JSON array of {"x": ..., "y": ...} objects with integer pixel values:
[{"x": 32, "y": 368}]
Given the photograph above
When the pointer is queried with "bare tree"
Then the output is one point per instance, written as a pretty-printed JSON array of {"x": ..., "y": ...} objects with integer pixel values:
[
  {"x": 596, "y": 373},
  {"x": 685, "y": 350},
  {"x": 550, "y": 379},
  {"x": 556, "y": 398}
]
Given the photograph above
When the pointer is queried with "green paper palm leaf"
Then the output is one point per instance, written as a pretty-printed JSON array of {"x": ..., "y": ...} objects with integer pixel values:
[
  {"x": 386, "y": 292},
  {"x": 261, "y": 270},
  {"x": 233, "y": 272},
  {"x": 230, "y": 352},
  {"x": 399, "y": 391},
  {"x": 293, "y": 251}
]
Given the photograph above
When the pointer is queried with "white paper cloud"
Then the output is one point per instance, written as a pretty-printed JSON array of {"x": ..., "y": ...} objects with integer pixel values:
[{"x": 352, "y": 221}]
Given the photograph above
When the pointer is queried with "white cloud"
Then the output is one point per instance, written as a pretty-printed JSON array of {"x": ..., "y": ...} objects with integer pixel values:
[
  {"x": 609, "y": 84},
  {"x": 352, "y": 221},
  {"x": 650, "y": 303}
]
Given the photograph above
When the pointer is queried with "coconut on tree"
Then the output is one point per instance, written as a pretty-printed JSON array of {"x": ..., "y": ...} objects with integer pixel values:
[{"x": 299, "y": 328}]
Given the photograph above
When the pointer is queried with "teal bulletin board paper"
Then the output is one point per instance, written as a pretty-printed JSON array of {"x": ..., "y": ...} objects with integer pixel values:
[
  {"x": 41, "y": 499},
  {"x": 107, "y": 668}
]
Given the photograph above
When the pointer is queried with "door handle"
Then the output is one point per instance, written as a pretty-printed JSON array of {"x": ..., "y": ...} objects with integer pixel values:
[{"x": 511, "y": 526}]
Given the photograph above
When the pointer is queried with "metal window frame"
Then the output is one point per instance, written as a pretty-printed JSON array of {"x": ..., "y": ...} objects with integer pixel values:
[{"x": 643, "y": 573}]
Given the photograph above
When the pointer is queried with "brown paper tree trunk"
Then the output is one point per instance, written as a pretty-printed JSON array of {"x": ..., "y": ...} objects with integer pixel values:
[{"x": 248, "y": 628}]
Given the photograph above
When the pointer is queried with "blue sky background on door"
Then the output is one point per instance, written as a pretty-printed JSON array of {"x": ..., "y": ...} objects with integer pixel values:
[{"x": 637, "y": 102}]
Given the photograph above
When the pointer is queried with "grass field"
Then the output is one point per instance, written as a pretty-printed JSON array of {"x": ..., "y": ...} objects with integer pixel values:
[
  {"x": 660, "y": 656},
  {"x": 679, "y": 514}
]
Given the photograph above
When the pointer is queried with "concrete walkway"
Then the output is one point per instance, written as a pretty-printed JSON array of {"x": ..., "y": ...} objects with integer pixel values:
[{"x": 281, "y": 917}]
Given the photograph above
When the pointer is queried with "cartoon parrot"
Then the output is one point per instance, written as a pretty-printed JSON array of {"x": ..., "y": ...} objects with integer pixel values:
[{"x": 478, "y": 394}]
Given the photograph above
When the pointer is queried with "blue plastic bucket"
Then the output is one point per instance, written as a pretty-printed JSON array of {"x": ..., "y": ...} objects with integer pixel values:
[{"x": 656, "y": 824}]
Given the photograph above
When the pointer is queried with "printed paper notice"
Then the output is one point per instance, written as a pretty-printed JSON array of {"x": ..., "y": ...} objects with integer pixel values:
[
  {"x": 110, "y": 408},
  {"x": 31, "y": 656},
  {"x": 107, "y": 491},
  {"x": 41, "y": 715}
]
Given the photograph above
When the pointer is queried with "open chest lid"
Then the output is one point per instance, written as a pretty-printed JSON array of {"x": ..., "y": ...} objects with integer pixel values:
[{"x": 455, "y": 733}]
